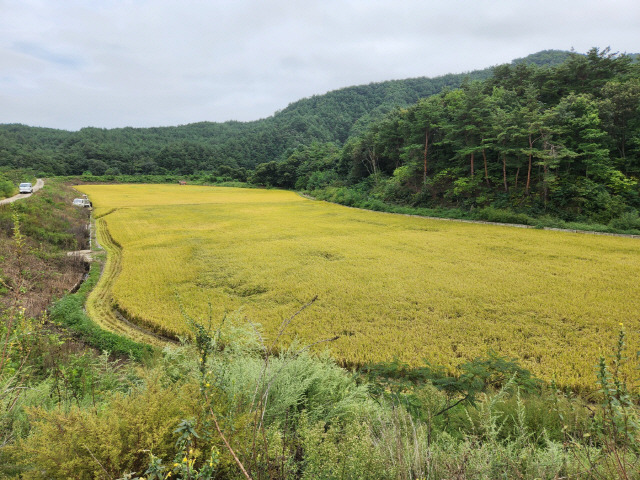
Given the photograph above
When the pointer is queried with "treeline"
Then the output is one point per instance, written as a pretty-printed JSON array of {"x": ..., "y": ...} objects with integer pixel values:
[
  {"x": 228, "y": 149},
  {"x": 561, "y": 141}
]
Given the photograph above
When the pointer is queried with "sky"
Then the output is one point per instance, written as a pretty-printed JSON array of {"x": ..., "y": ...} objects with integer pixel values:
[{"x": 142, "y": 63}]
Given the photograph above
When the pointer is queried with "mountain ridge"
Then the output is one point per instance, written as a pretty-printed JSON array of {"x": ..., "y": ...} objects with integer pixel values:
[{"x": 333, "y": 117}]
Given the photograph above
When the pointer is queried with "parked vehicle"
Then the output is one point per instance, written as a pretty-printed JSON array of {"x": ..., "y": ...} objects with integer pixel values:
[
  {"x": 81, "y": 202},
  {"x": 26, "y": 188}
]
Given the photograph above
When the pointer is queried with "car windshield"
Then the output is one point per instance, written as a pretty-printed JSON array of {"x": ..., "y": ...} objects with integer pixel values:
[{"x": 25, "y": 184}]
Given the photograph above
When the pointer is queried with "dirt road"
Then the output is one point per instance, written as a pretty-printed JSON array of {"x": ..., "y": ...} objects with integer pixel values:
[{"x": 39, "y": 184}]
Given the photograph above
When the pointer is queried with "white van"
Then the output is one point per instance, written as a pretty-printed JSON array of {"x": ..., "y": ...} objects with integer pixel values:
[
  {"x": 26, "y": 188},
  {"x": 81, "y": 202}
]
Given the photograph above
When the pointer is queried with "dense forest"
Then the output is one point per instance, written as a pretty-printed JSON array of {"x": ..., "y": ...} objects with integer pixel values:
[{"x": 226, "y": 148}]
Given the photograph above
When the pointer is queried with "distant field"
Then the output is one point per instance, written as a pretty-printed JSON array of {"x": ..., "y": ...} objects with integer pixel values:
[{"x": 389, "y": 285}]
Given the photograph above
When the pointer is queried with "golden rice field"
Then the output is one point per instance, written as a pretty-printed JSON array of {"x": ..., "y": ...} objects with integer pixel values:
[{"x": 388, "y": 285}]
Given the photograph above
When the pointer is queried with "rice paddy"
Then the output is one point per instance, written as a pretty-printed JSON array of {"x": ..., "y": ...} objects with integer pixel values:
[{"x": 389, "y": 286}]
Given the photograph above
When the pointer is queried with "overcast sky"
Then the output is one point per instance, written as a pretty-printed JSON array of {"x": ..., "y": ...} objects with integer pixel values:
[{"x": 71, "y": 64}]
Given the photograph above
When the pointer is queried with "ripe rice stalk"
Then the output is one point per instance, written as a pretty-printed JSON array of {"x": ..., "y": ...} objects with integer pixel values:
[{"x": 389, "y": 286}]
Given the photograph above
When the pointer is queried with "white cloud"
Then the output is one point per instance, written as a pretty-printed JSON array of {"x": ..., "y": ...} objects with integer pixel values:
[{"x": 68, "y": 64}]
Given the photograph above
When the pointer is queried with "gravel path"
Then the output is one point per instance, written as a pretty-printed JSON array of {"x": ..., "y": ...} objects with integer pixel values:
[{"x": 39, "y": 184}]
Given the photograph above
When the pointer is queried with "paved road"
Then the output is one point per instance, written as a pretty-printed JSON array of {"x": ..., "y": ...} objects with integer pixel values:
[{"x": 39, "y": 184}]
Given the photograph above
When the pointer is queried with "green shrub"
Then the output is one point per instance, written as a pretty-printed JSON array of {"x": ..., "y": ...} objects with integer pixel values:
[
  {"x": 7, "y": 188},
  {"x": 629, "y": 221},
  {"x": 346, "y": 452},
  {"x": 491, "y": 214},
  {"x": 112, "y": 440}
]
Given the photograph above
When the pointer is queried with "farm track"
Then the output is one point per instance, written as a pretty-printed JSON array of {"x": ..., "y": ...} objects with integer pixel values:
[{"x": 99, "y": 303}]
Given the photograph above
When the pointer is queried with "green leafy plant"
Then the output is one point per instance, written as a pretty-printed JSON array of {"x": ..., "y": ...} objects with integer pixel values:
[
  {"x": 185, "y": 465},
  {"x": 616, "y": 428}
]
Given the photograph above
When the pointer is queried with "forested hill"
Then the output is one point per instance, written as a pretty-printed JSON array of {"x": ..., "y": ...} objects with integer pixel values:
[
  {"x": 544, "y": 58},
  {"x": 562, "y": 142},
  {"x": 230, "y": 147}
]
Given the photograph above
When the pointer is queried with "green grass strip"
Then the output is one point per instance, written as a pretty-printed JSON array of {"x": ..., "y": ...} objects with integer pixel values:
[{"x": 69, "y": 312}]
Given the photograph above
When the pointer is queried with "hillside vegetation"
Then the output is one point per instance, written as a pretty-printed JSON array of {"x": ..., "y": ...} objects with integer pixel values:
[
  {"x": 226, "y": 149},
  {"x": 37, "y": 269},
  {"x": 528, "y": 145}
]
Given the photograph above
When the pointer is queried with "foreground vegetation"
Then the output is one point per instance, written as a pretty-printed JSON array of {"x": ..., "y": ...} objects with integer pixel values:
[
  {"x": 224, "y": 408},
  {"x": 387, "y": 286}
]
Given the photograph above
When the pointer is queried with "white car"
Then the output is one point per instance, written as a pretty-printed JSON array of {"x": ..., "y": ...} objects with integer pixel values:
[{"x": 26, "y": 188}]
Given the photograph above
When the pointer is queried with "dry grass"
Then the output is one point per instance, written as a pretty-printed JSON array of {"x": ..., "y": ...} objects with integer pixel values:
[
  {"x": 34, "y": 281},
  {"x": 389, "y": 285}
]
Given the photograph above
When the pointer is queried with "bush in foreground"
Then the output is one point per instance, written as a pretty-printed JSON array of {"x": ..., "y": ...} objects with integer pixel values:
[{"x": 224, "y": 407}]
